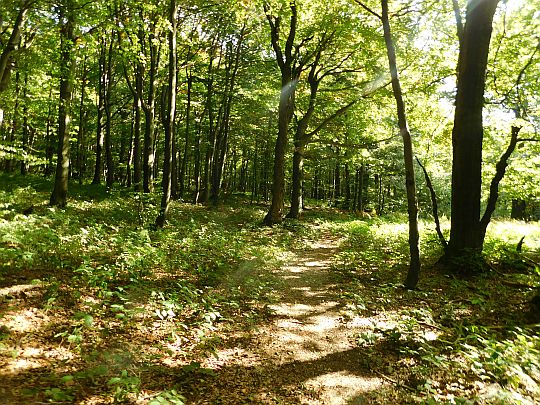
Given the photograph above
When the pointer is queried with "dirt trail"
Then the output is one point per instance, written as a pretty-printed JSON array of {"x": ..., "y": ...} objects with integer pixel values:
[{"x": 307, "y": 354}]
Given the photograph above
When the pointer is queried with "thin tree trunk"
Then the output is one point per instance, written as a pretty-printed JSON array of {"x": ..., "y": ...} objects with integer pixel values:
[
  {"x": 98, "y": 168},
  {"x": 412, "y": 206},
  {"x": 108, "y": 117},
  {"x": 25, "y": 135},
  {"x": 15, "y": 119},
  {"x": 149, "y": 113},
  {"x": 183, "y": 165},
  {"x": 171, "y": 113},
  {"x": 81, "y": 130}
]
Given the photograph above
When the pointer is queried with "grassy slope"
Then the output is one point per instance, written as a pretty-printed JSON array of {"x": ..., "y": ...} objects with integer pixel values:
[{"x": 96, "y": 306}]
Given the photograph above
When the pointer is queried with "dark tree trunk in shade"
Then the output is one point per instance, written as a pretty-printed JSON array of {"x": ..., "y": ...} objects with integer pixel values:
[
  {"x": 519, "y": 209},
  {"x": 466, "y": 233}
]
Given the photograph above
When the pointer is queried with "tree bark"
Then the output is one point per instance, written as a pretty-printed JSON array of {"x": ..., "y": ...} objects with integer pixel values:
[
  {"x": 149, "y": 108},
  {"x": 466, "y": 234},
  {"x": 183, "y": 165},
  {"x": 171, "y": 113},
  {"x": 11, "y": 45},
  {"x": 98, "y": 167},
  {"x": 81, "y": 131},
  {"x": 67, "y": 69},
  {"x": 412, "y": 206},
  {"x": 289, "y": 78},
  {"x": 109, "y": 179}
]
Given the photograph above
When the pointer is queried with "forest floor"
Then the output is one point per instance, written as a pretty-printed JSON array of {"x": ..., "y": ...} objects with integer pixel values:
[
  {"x": 307, "y": 353},
  {"x": 99, "y": 307}
]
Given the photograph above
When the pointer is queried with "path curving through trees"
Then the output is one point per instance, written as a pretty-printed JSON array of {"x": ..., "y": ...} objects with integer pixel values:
[{"x": 307, "y": 354}]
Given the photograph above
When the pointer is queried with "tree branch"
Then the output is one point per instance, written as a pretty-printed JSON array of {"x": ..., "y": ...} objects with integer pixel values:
[
  {"x": 368, "y": 9},
  {"x": 434, "y": 206},
  {"x": 499, "y": 174},
  {"x": 336, "y": 114}
]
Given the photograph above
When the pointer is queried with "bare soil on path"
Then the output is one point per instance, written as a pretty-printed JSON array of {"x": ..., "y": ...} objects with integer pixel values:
[{"x": 306, "y": 354}]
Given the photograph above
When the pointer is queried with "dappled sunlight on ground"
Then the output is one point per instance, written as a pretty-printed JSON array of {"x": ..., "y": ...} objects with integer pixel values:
[{"x": 342, "y": 387}]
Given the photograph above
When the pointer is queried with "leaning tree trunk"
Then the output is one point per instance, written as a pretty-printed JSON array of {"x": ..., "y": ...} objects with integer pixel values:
[
  {"x": 11, "y": 45},
  {"x": 412, "y": 207},
  {"x": 466, "y": 236},
  {"x": 67, "y": 69}
]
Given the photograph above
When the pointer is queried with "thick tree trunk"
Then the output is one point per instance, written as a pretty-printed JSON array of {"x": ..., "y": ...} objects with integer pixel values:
[
  {"x": 289, "y": 80},
  {"x": 67, "y": 69},
  {"x": 466, "y": 235},
  {"x": 171, "y": 112},
  {"x": 412, "y": 206}
]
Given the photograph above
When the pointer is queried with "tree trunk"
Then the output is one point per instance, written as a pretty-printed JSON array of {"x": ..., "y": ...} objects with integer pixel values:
[
  {"x": 223, "y": 132},
  {"x": 171, "y": 113},
  {"x": 49, "y": 151},
  {"x": 108, "y": 117},
  {"x": 11, "y": 45},
  {"x": 183, "y": 165},
  {"x": 466, "y": 234},
  {"x": 149, "y": 114},
  {"x": 15, "y": 119},
  {"x": 67, "y": 69},
  {"x": 25, "y": 134},
  {"x": 98, "y": 168},
  {"x": 519, "y": 208},
  {"x": 289, "y": 80},
  {"x": 81, "y": 130},
  {"x": 412, "y": 206},
  {"x": 296, "y": 186},
  {"x": 137, "y": 130}
]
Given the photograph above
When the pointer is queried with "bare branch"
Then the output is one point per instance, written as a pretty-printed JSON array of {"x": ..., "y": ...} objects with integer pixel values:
[{"x": 368, "y": 9}]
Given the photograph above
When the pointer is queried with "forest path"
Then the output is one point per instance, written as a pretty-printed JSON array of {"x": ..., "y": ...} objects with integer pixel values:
[{"x": 307, "y": 354}]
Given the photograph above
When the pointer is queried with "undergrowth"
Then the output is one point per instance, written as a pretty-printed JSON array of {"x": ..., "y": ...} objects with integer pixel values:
[
  {"x": 454, "y": 340},
  {"x": 100, "y": 286}
]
